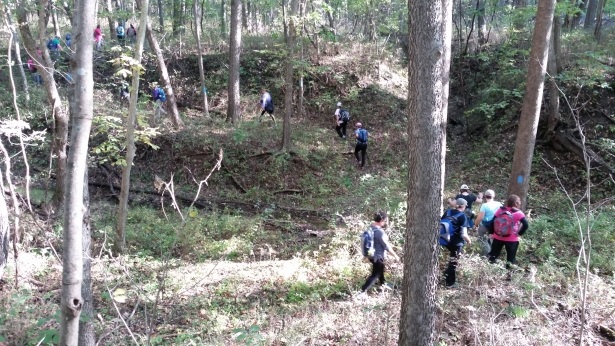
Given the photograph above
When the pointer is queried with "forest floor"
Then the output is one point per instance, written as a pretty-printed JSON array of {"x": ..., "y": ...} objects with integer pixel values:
[{"x": 269, "y": 253}]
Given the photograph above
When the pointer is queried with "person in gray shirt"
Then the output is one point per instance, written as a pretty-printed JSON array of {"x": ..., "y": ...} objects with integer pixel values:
[{"x": 381, "y": 247}]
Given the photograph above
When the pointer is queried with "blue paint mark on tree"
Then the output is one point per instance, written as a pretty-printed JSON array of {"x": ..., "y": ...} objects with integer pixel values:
[{"x": 520, "y": 179}]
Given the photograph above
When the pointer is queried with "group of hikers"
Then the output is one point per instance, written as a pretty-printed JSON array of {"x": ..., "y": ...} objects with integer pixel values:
[
  {"x": 120, "y": 32},
  {"x": 342, "y": 118},
  {"x": 497, "y": 226}
]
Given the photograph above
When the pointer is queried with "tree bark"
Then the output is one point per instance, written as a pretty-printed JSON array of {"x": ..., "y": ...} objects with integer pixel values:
[
  {"x": 428, "y": 71},
  {"x": 482, "y": 26},
  {"x": 244, "y": 18},
  {"x": 590, "y": 14},
  {"x": 111, "y": 21},
  {"x": 519, "y": 182},
  {"x": 60, "y": 117},
  {"x": 16, "y": 43},
  {"x": 557, "y": 42},
  {"x": 598, "y": 28},
  {"x": 553, "y": 115},
  {"x": 288, "y": 78},
  {"x": 177, "y": 17},
  {"x": 234, "y": 110},
  {"x": 72, "y": 256},
  {"x": 54, "y": 18},
  {"x": 87, "y": 336},
  {"x": 161, "y": 16},
  {"x": 164, "y": 76},
  {"x": 576, "y": 19},
  {"x": 200, "y": 51},
  {"x": 122, "y": 209},
  {"x": 223, "y": 19},
  {"x": 4, "y": 230}
]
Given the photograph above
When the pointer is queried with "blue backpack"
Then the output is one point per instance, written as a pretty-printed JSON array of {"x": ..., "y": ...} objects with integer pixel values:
[
  {"x": 161, "y": 95},
  {"x": 50, "y": 44},
  {"x": 367, "y": 242},
  {"x": 447, "y": 228},
  {"x": 362, "y": 136}
]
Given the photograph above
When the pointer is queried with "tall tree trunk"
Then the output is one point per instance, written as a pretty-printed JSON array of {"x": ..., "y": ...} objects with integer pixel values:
[
  {"x": 223, "y": 19},
  {"x": 576, "y": 19},
  {"x": 553, "y": 115},
  {"x": 60, "y": 117},
  {"x": 244, "y": 18},
  {"x": 164, "y": 74},
  {"x": 557, "y": 42},
  {"x": 54, "y": 19},
  {"x": 599, "y": 14},
  {"x": 519, "y": 182},
  {"x": 428, "y": 70},
  {"x": 200, "y": 59},
  {"x": 288, "y": 78},
  {"x": 122, "y": 209},
  {"x": 161, "y": 15},
  {"x": 234, "y": 109},
  {"x": 590, "y": 14},
  {"x": 300, "y": 105},
  {"x": 110, "y": 20},
  {"x": 4, "y": 232},
  {"x": 87, "y": 337},
  {"x": 177, "y": 17},
  {"x": 254, "y": 14},
  {"x": 16, "y": 43},
  {"x": 72, "y": 256},
  {"x": 482, "y": 26}
]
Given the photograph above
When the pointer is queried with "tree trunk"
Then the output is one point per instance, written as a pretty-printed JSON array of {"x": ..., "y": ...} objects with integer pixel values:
[
  {"x": 557, "y": 42},
  {"x": 54, "y": 19},
  {"x": 428, "y": 71},
  {"x": 17, "y": 45},
  {"x": 576, "y": 19},
  {"x": 234, "y": 110},
  {"x": 519, "y": 182},
  {"x": 553, "y": 115},
  {"x": 111, "y": 21},
  {"x": 244, "y": 18},
  {"x": 598, "y": 28},
  {"x": 122, "y": 209},
  {"x": 60, "y": 117},
  {"x": 4, "y": 231},
  {"x": 223, "y": 19},
  {"x": 161, "y": 16},
  {"x": 164, "y": 76},
  {"x": 288, "y": 78},
  {"x": 87, "y": 337},
  {"x": 590, "y": 14},
  {"x": 72, "y": 255},
  {"x": 200, "y": 59},
  {"x": 482, "y": 26}
]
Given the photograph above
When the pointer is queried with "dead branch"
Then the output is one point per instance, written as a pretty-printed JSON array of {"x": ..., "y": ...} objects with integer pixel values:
[
  {"x": 288, "y": 191},
  {"x": 573, "y": 145},
  {"x": 234, "y": 180}
]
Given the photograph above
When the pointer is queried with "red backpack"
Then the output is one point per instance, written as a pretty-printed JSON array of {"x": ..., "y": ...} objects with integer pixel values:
[{"x": 504, "y": 224}]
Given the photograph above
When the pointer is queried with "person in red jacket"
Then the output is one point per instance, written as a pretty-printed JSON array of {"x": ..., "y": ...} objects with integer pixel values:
[
  {"x": 508, "y": 224},
  {"x": 98, "y": 37}
]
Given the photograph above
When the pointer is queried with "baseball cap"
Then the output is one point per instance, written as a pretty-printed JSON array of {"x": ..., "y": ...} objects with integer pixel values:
[
  {"x": 339, "y": 104},
  {"x": 461, "y": 201},
  {"x": 489, "y": 193},
  {"x": 464, "y": 187}
]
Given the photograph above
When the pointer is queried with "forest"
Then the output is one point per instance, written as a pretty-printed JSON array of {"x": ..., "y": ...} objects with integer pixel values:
[{"x": 307, "y": 172}]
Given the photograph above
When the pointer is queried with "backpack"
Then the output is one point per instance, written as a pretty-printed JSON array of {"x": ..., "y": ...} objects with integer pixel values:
[
  {"x": 362, "y": 136},
  {"x": 50, "y": 44},
  {"x": 161, "y": 95},
  {"x": 504, "y": 223},
  {"x": 119, "y": 30},
  {"x": 269, "y": 106},
  {"x": 155, "y": 94},
  {"x": 367, "y": 242},
  {"x": 344, "y": 115},
  {"x": 447, "y": 229}
]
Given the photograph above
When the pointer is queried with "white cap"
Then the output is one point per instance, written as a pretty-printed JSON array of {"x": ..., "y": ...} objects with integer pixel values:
[
  {"x": 490, "y": 193},
  {"x": 464, "y": 187},
  {"x": 339, "y": 104}
]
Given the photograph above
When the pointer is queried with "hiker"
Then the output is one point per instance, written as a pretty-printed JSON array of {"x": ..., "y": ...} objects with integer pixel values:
[
  {"x": 361, "y": 134},
  {"x": 458, "y": 238},
  {"x": 379, "y": 244},
  {"x": 54, "y": 46},
  {"x": 119, "y": 32},
  {"x": 159, "y": 98},
  {"x": 506, "y": 230},
  {"x": 124, "y": 93},
  {"x": 35, "y": 75},
  {"x": 464, "y": 192},
  {"x": 131, "y": 33},
  {"x": 98, "y": 37},
  {"x": 68, "y": 39},
  {"x": 341, "y": 120},
  {"x": 266, "y": 105},
  {"x": 484, "y": 219}
]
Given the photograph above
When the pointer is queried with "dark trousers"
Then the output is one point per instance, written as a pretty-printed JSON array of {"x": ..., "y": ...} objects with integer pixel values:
[
  {"x": 341, "y": 129},
  {"x": 451, "y": 269},
  {"x": 362, "y": 147},
  {"x": 377, "y": 274},
  {"x": 269, "y": 111},
  {"x": 121, "y": 39},
  {"x": 511, "y": 251}
]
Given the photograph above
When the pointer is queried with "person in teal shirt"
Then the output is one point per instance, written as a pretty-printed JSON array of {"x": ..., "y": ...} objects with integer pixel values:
[{"x": 483, "y": 220}]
